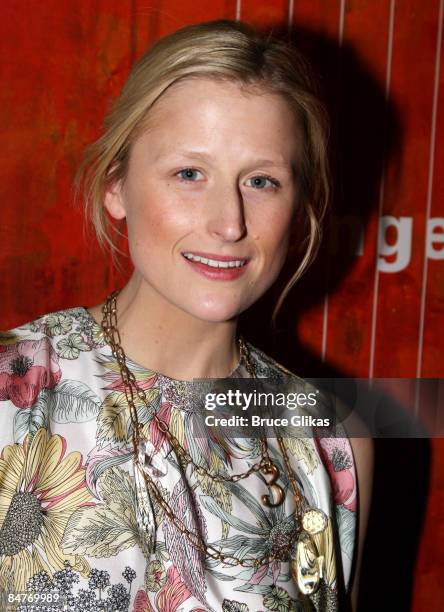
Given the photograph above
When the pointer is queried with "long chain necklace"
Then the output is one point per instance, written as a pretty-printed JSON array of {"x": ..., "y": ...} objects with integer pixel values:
[{"x": 306, "y": 564}]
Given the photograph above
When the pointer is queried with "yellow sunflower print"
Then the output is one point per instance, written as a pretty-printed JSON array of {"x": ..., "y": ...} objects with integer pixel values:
[{"x": 39, "y": 490}]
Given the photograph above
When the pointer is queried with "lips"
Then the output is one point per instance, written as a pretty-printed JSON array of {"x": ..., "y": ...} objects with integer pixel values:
[
  {"x": 215, "y": 261},
  {"x": 217, "y": 267}
]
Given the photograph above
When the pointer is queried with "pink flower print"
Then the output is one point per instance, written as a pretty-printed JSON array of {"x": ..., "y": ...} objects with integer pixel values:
[
  {"x": 142, "y": 603},
  {"x": 26, "y": 368},
  {"x": 338, "y": 459},
  {"x": 158, "y": 437},
  {"x": 173, "y": 593},
  {"x": 168, "y": 599}
]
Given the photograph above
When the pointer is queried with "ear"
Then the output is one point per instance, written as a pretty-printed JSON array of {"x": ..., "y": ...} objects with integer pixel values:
[{"x": 114, "y": 201}]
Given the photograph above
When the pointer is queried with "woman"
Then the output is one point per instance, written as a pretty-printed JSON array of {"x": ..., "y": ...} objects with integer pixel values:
[{"x": 215, "y": 157}]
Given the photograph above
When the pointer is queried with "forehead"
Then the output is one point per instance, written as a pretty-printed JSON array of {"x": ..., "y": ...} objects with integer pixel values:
[{"x": 204, "y": 110}]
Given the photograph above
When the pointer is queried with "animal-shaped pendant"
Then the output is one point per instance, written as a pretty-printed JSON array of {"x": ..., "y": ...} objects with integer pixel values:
[{"x": 306, "y": 564}]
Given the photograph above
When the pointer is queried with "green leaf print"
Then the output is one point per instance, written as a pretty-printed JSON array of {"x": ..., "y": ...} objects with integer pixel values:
[
  {"x": 71, "y": 401},
  {"x": 346, "y": 528},
  {"x": 113, "y": 420},
  {"x": 304, "y": 450},
  {"x": 107, "y": 528},
  {"x": 211, "y": 505},
  {"x": 57, "y": 323},
  {"x": 29, "y": 420},
  {"x": 98, "y": 531},
  {"x": 279, "y": 600},
  {"x": 230, "y": 605},
  {"x": 71, "y": 346},
  {"x": 260, "y": 589}
]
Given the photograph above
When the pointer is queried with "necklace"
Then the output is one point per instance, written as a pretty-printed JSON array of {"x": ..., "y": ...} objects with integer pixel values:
[
  {"x": 265, "y": 465},
  {"x": 306, "y": 563}
]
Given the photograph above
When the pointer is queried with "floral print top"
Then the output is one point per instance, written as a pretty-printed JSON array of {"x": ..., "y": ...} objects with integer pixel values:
[{"x": 68, "y": 506}]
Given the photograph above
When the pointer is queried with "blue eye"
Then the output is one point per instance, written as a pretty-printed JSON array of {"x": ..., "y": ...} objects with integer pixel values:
[
  {"x": 260, "y": 182},
  {"x": 188, "y": 174}
]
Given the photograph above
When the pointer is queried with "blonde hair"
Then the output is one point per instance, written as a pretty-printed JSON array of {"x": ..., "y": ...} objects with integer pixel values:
[{"x": 220, "y": 49}]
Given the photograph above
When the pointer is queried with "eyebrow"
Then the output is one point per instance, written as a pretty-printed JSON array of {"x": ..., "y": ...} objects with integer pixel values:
[{"x": 207, "y": 157}]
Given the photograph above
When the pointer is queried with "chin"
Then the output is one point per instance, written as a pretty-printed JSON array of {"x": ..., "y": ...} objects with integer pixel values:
[
  {"x": 215, "y": 315},
  {"x": 216, "y": 311}
]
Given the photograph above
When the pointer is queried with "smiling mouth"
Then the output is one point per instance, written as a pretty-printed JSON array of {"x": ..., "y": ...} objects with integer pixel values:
[{"x": 224, "y": 262}]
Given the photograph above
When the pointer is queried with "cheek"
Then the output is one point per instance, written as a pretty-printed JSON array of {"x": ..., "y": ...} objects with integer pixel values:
[
  {"x": 156, "y": 219},
  {"x": 273, "y": 242},
  {"x": 274, "y": 235},
  {"x": 277, "y": 256}
]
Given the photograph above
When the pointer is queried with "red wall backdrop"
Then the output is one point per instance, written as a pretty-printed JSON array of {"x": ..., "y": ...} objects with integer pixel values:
[{"x": 62, "y": 63}]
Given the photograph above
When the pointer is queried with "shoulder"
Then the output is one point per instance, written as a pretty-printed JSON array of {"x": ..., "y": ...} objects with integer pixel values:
[
  {"x": 31, "y": 354},
  {"x": 361, "y": 443},
  {"x": 266, "y": 366},
  {"x": 282, "y": 380},
  {"x": 325, "y": 426},
  {"x": 362, "y": 446},
  {"x": 51, "y": 325}
]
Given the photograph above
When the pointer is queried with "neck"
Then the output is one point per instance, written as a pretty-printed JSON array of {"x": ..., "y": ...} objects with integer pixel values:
[{"x": 161, "y": 337}]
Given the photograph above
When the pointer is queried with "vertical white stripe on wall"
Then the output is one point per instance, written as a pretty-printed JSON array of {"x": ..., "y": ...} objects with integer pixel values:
[
  {"x": 388, "y": 75},
  {"x": 290, "y": 14},
  {"x": 430, "y": 184},
  {"x": 238, "y": 9},
  {"x": 327, "y": 283},
  {"x": 429, "y": 199},
  {"x": 341, "y": 22},
  {"x": 325, "y": 323}
]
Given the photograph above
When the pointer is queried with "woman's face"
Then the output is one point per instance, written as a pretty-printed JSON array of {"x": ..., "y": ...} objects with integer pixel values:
[{"x": 210, "y": 196}]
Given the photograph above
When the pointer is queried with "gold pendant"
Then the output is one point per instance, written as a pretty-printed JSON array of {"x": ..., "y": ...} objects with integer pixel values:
[
  {"x": 306, "y": 564},
  {"x": 314, "y": 521},
  {"x": 276, "y": 495}
]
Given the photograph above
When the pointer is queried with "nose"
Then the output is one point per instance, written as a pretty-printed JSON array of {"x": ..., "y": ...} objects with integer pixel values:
[{"x": 226, "y": 214}]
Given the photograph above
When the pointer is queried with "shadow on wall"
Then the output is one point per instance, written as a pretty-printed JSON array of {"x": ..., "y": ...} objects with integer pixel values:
[{"x": 365, "y": 133}]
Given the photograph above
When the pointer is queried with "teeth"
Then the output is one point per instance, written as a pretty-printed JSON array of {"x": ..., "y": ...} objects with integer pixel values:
[{"x": 213, "y": 263}]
